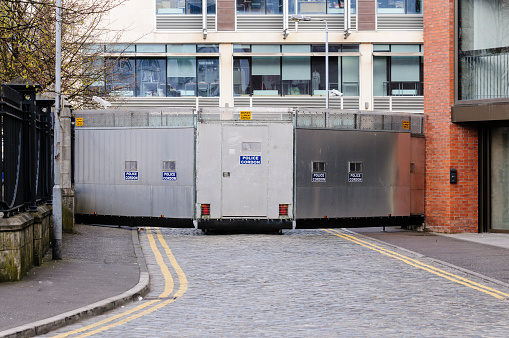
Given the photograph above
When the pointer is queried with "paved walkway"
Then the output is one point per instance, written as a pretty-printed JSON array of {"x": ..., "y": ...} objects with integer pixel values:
[
  {"x": 486, "y": 254},
  {"x": 104, "y": 267}
]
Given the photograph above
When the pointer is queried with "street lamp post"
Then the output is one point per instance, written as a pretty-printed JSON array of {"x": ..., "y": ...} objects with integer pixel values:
[
  {"x": 298, "y": 18},
  {"x": 57, "y": 188}
]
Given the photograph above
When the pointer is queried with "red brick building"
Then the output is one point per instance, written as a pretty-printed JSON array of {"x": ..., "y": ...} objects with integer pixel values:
[{"x": 466, "y": 91}]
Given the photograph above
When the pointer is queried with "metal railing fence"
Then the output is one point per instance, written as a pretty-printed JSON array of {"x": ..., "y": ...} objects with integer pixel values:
[
  {"x": 26, "y": 143},
  {"x": 484, "y": 74}
]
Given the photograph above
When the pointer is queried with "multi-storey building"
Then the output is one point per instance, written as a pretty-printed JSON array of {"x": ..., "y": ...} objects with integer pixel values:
[
  {"x": 467, "y": 108},
  {"x": 250, "y": 53}
]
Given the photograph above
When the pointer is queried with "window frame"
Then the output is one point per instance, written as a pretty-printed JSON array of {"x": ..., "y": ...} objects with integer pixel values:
[{"x": 244, "y": 52}]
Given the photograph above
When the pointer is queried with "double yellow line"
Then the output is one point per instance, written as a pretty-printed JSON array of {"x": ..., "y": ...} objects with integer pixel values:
[
  {"x": 413, "y": 262},
  {"x": 164, "y": 299}
]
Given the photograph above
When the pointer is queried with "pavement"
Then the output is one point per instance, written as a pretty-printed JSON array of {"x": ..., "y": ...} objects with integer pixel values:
[{"x": 104, "y": 267}]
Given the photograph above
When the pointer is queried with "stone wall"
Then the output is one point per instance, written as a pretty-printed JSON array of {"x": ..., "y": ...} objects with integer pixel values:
[{"x": 24, "y": 239}]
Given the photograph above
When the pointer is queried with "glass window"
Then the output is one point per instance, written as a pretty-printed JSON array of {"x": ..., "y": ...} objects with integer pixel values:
[
  {"x": 208, "y": 77},
  {"x": 181, "y": 76},
  {"x": 405, "y": 68},
  {"x": 483, "y": 49},
  {"x": 335, "y": 6},
  {"x": 207, "y": 48},
  {"x": 191, "y": 49},
  {"x": 349, "y": 75},
  {"x": 405, "y": 48},
  {"x": 120, "y": 77},
  {"x": 397, "y": 76},
  {"x": 94, "y": 76},
  {"x": 150, "y": 48},
  {"x": 266, "y": 75},
  {"x": 211, "y": 7},
  {"x": 414, "y": 7},
  {"x": 266, "y": 48},
  {"x": 296, "y": 48},
  {"x": 241, "y": 76},
  {"x": 296, "y": 71},
  {"x": 274, "y": 7},
  {"x": 131, "y": 165},
  {"x": 169, "y": 165},
  {"x": 241, "y": 48},
  {"x": 120, "y": 48},
  {"x": 354, "y": 167},
  {"x": 380, "y": 76},
  {"x": 183, "y": 7},
  {"x": 320, "y": 7},
  {"x": 312, "y": 7},
  {"x": 296, "y": 75},
  {"x": 349, "y": 48},
  {"x": 193, "y": 6},
  {"x": 151, "y": 77},
  {"x": 93, "y": 48},
  {"x": 318, "y": 167},
  {"x": 251, "y": 6},
  {"x": 321, "y": 48},
  {"x": 381, "y": 48},
  {"x": 399, "y": 6},
  {"x": 170, "y": 6},
  {"x": 255, "y": 147}
]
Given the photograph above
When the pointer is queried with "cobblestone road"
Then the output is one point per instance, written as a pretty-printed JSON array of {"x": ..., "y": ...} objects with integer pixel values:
[{"x": 300, "y": 284}]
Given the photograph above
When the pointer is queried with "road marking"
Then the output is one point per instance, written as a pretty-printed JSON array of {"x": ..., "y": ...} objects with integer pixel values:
[
  {"x": 168, "y": 279},
  {"x": 182, "y": 277},
  {"x": 413, "y": 262},
  {"x": 152, "y": 305}
]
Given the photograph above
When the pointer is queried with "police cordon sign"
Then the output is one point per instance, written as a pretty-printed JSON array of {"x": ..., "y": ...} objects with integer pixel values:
[
  {"x": 355, "y": 177},
  {"x": 318, "y": 177},
  {"x": 169, "y": 176},
  {"x": 250, "y": 159},
  {"x": 131, "y": 176}
]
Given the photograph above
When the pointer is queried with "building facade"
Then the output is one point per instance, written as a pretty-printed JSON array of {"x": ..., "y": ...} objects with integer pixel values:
[
  {"x": 250, "y": 53},
  {"x": 466, "y": 71}
]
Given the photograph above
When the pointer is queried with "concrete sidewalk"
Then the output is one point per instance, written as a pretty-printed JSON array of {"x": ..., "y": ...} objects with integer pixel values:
[{"x": 102, "y": 268}]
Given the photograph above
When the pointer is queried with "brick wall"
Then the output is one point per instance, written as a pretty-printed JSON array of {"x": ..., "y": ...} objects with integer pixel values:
[{"x": 448, "y": 207}]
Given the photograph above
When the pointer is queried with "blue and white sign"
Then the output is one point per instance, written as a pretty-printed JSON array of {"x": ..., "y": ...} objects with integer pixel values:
[
  {"x": 355, "y": 177},
  {"x": 169, "y": 176},
  {"x": 318, "y": 177},
  {"x": 250, "y": 160},
  {"x": 131, "y": 176}
]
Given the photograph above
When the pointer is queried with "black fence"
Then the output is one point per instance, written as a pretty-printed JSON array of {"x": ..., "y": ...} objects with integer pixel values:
[{"x": 26, "y": 142}]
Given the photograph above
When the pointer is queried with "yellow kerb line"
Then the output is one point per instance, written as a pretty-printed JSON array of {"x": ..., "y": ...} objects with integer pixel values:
[
  {"x": 182, "y": 277},
  {"x": 457, "y": 279},
  {"x": 107, "y": 320},
  {"x": 168, "y": 279},
  {"x": 428, "y": 266},
  {"x": 128, "y": 319},
  {"x": 160, "y": 261}
]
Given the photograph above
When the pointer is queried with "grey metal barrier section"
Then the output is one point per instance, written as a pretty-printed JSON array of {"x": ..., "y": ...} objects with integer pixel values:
[
  {"x": 135, "y": 163},
  {"x": 165, "y": 163},
  {"x": 351, "y": 164}
]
